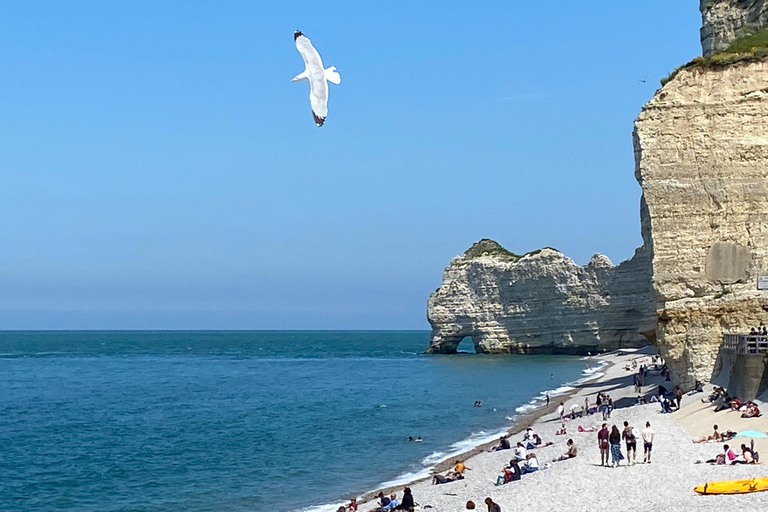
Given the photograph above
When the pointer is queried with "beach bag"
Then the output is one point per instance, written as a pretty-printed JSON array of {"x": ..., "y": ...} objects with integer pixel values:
[{"x": 635, "y": 434}]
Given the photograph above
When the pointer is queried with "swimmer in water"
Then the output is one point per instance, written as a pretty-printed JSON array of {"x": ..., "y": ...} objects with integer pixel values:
[
  {"x": 419, "y": 439},
  {"x": 410, "y": 438}
]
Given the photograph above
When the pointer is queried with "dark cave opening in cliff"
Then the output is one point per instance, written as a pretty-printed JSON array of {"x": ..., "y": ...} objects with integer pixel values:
[{"x": 466, "y": 346}]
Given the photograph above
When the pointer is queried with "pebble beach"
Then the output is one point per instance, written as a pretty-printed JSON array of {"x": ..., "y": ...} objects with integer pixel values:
[{"x": 582, "y": 483}]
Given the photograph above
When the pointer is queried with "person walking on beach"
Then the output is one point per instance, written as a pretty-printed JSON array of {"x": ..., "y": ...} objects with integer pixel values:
[
  {"x": 648, "y": 435},
  {"x": 614, "y": 438},
  {"x": 547, "y": 400},
  {"x": 492, "y": 507},
  {"x": 586, "y": 406},
  {"x": 560, "y": 411},
  {"x": 631, "y": 441},
  {"x": 602, "y": 443}
]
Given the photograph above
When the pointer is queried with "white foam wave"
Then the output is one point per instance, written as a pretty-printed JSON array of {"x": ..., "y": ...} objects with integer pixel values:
[
  {"x": 407, "y": 478},
  {"x": 331, "y": 507}
]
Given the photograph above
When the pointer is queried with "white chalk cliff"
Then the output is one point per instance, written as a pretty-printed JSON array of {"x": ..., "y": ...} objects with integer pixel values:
[{"x": 541, "y": 302}]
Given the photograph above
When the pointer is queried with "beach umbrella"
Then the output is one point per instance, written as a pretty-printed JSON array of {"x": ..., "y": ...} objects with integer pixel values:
[{"x": 750, "y": 433}]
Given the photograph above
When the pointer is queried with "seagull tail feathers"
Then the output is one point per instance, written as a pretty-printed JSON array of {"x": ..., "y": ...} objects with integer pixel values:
[{"x": 332, "y": 75}]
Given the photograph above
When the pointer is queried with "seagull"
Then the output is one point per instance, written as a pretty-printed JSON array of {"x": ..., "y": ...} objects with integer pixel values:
[{"x": 316, "y": 76}]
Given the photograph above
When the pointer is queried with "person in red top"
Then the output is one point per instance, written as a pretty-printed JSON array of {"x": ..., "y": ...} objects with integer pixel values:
[
  {"x": 730, "y": 455},
  {"x": 602, "y": 442}
]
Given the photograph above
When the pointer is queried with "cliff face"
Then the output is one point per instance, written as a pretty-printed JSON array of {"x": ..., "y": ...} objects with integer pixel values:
[
  {"x": 726, "y": 20},
  {"x": 701, "y": 151},
  {"x": 541, "y": 302}
]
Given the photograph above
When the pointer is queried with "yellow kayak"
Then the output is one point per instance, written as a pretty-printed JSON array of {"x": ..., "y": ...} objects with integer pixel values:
[{"x": 733, "y": 486}]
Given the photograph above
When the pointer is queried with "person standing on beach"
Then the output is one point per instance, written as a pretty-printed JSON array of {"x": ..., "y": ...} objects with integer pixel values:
[
  {"x": 560, "y": 411},
  {"x": 678, "y": 396},
  {"x": 586, "y": 406},
  {"x": 631, "y": 441},
  {"x": 492, "y": 507},
  {"x": 614, "y": 438},
  {"x": 648, "y": 435},
  {"x": 602, "y": 443},
  {"x": 547, "y": 400}
]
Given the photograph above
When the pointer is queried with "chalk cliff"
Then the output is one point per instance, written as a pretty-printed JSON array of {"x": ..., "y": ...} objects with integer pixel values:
[
  {"x": 701, "y": 152},
  {"x": 541, "y": 302},
  {"x": 725, "y": 20}
]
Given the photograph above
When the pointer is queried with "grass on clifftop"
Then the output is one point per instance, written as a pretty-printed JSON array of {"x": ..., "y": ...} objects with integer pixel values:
[
  {"x": 747, "y": 48},
  {"x": 488, "y": 247}
]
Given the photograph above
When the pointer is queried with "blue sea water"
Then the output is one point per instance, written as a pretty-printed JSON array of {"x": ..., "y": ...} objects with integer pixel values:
[{"x": 236, "y": 421}]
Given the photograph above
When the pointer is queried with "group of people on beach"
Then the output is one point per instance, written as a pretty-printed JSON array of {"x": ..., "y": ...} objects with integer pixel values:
[
  {"x": 387, "y": 503},
  {"x": 609, "y": 443},
  {"x": 721, "y": 400}
]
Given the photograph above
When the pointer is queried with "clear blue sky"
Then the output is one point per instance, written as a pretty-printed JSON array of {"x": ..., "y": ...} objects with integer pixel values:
[{"x": 158, "y": 170}]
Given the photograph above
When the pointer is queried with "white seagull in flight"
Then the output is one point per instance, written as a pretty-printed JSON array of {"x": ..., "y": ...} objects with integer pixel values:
[{"x": 316, "y": 76}]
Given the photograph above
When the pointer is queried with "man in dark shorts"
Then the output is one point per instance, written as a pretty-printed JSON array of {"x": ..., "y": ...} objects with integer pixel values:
[
  {"x": 648, "y": 435},
  {"x": 629, "y": 438},
  {"x": 602, "y": 442}
]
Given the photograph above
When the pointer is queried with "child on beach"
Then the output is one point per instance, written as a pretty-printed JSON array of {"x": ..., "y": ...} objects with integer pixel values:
[{"x": 570, "y": 453}]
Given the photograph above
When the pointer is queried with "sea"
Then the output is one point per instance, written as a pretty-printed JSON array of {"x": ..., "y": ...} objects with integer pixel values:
[{"x": 246, "y": 421}]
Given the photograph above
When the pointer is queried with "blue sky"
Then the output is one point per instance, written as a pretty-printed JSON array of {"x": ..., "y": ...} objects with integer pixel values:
[{"x": 159, "y": 170}]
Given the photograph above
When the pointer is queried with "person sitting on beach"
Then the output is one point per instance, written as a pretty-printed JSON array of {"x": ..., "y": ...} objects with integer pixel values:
[
  {"x": 393, "y": 502},
  {"x": 745, "y": 457},
  {"x": 520, "y": 453},
  {"x": 384, "y": 501},
  {"x": 530, "y": 438},
  {"x": 562, "y": 431},
  {"x": 505, "y": 477},
  {"x": 459, "y": 467},
  {"x": 492, "y": 507},
  {"x": 352, "y": 505},
  {"x": 575, "y": 410},
  {"x": 752, "y": 411},
  {"x": 531, "y": 464},
  {"x": 503, "y": 444},
  {"x": 735, "y": 404},
  {"x": 715, "y": 436},
  {"x": 730, "y": 455},
  {"x": 570, "y": 453},
  {"x": 407, "y": 503}
]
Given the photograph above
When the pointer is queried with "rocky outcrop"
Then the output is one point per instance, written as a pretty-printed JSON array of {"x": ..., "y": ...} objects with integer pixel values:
[
  {"x": 541, "y": 302},
  {"x": 701, "y": 151},
  {"x": 726, "y": 20}
]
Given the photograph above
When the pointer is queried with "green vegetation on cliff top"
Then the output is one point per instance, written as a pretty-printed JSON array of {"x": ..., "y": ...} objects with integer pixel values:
[
  {"x": 750, "y": 47},
  {"x": 488, "y": 247}
]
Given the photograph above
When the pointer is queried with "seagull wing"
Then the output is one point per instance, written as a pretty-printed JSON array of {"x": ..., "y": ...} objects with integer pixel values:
[{"x": 318, "y": 86}]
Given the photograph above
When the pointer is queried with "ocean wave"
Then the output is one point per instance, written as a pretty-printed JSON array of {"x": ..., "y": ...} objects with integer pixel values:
[
  {"x": 331, "y": 507},
  {"x": 477, "y": 438}
]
